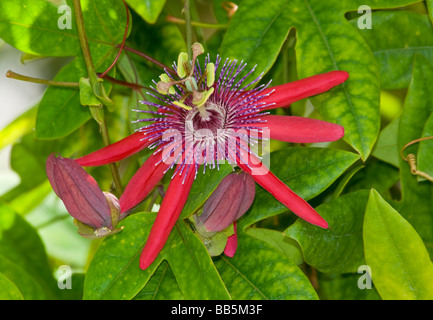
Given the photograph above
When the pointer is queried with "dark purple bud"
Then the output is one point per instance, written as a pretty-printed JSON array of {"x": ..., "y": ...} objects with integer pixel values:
[
  {"x": 230, "y": 200},
  {"x": 80, "y": 193}
]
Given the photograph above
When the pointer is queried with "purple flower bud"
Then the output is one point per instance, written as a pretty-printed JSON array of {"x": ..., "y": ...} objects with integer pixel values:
[
  {"x": 81, "y": 194},
  {"x": 230, "y": 200}
]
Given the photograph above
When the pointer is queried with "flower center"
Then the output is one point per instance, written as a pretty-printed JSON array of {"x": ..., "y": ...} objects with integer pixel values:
[{"x": 206, "y": 126}]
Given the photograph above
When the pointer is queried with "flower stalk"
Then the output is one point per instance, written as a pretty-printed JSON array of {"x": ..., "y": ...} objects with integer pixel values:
[
  {"x": 96, "y": 83},
  {"x": 197, "y": 23},
  {"x": 17, "y": 76}
]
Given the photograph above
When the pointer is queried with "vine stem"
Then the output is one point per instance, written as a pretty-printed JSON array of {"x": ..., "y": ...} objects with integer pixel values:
[
  {"x": 133, "y": 86},
  {"x": 93, "y": 78},
  {"x": 145, "y": 56},
  {"x": 188, "y": 27},
  {"x": 17, "y": 76},
  {"x": 197, "y": 23},
  {"x": 84, "y": 43},
  {"x": 122, "y": 45}
]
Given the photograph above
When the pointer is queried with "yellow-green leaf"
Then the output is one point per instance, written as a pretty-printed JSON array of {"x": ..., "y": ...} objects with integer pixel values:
[{"x": 399, "y": 262}]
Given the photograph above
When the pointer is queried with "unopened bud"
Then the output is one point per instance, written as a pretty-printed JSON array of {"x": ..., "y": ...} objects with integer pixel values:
[
  {"x": 230, "y": 200},
  {"x": 96, "y": 213}
]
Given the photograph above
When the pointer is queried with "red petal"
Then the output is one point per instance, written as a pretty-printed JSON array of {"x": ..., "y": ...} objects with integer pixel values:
[
  {"x": 300, "y": 129},
  {"x": 288, "y": 93},
  {"x": 116, "y": 151},
  {"x": 232, "y": 244},
  {"x": 171, "y": 207},
  {"x": 280, "y": 191},
  {"x": 143, "y": 181}
]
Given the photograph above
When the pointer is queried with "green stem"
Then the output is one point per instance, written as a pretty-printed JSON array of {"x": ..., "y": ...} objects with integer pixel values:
[
  {"x": 84, "y": 43},
  {"x": 198, "y": 30},
  {"x": 188, "y": 27},
  {"x": 14, "y": 75},
  {"x": 198, "y": 24},
  {"x": 93, "y": 78},
  {"x": 125, "y": 34},
  {"x": 113, "y": 166}
]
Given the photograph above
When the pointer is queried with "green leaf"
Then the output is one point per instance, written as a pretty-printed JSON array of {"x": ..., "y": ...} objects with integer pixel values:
[
  {"x": 376, "y": 174},
  {"x": 288, "y": 246},
  {"x": 192, "y": 266},
  {"x": 338, "y": 249},
  {"x": 256, "y": 33},
  {"x": 114, "y": 272},
  {"x": 87, "y": 97},
  {"x": 323, "y": 35},
  {"x": 344, "y": 287},
  {"x": 425, "y": 150},
  {"x": 417, "y": 202},
  {"x": 9, "y": 290},
  {"x": 75, "y": 292},
  {"x": 149, "y": 10},
  {"x": 386, "y": 148},
  {"x": 20, "y": 244},
  {"x": 31, "y": 26},
  {"x": 20, "y": 126},
  {"x": 59, "y": 234},
  {"x": 400, "y": 264},
  {"x": 343, "y": 183},
  {"x": 394, "y": 40},
  {"x": 259, "y": 271},
  {"x": 161, "y": 286},
  {"x": 163, "y": 42},
  {"x": 307, "y": 171},
  {"x": 28, "y": 159},
  {"x": 60, "y": 111},
  {"x": 29, "y": 287}
]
